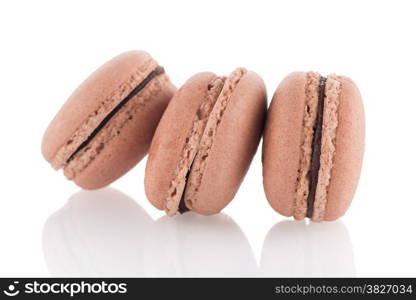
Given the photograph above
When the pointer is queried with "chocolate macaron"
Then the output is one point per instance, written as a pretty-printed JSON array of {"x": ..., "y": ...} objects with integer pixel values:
[
  {"x": 205, "y": 142},
  {"x": 313, "y": 146},
  {"x": 106, "y": 126}
]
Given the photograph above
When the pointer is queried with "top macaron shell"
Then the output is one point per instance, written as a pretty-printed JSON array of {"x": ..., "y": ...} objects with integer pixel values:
[
  {"x": 282, "y": 146},
  {"x": 132, "y": 142},
  {"x": 234, "y": 144}
]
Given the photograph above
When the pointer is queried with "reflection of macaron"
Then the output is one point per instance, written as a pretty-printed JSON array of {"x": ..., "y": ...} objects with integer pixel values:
[
  {"x": 299, "y": 249},
  {"x": 205, "y": 142},
  {"x": 97, "y": 233},
  {"x": 197, "y": 246},
  {"x": 313, "y": 146},
  {"x": 107, "y": 124}
]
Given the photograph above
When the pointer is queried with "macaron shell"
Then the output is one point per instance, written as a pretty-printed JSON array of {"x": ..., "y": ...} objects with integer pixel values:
[
  {"x": 234, "y": 145},
  {"x": 169, "y": 139},
  {"x": 349, "y": 150},
  {"x": 282, "y": 143},
  {"x": 131, "y": 145},
  {"x": 86, "y": 98}
]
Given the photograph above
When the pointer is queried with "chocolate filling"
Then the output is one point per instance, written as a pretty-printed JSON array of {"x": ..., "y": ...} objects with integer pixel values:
[
  {"x": 156, "y": 72},
  {"x": 182, "y": 206},
  {"x": 316, "y": 149}
]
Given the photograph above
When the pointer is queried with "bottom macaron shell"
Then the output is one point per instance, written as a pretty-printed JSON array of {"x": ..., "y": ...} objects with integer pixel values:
[
  {"x": 234, "y": 146},
  {"x": 131, "y": 145},
  {"x": 349, "y": 150},
  {"x": 282, "y": 143}
]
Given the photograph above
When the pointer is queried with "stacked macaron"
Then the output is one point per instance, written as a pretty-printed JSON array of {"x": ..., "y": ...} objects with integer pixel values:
[{"x": 202, "y": 138}]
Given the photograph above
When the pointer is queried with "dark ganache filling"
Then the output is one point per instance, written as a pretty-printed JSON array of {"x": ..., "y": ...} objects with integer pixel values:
[
  {"x": 316, "y": 148},
  {"x": 182, "y": 206},
  {"x": 156, "y": 72}
]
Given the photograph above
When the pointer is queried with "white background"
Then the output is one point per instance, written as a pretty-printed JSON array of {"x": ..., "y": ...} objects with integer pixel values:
[{"x": 48, "y": 48}]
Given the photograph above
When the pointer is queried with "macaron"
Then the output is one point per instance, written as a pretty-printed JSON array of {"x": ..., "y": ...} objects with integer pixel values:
[
  {"x": 106, "y": 126},
  {"x": 205, "y": 142},
  {"x": 313, "y": 146}
]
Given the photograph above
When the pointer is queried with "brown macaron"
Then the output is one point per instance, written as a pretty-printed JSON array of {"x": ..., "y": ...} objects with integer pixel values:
[
  {"x": 106, "y": 126},
  {"x": 313, "y": 146},
  {"x": 205, "y": 142}
]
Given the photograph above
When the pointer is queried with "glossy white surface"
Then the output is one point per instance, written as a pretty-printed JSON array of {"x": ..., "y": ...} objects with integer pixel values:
[{"x": 48, "y": 227}]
